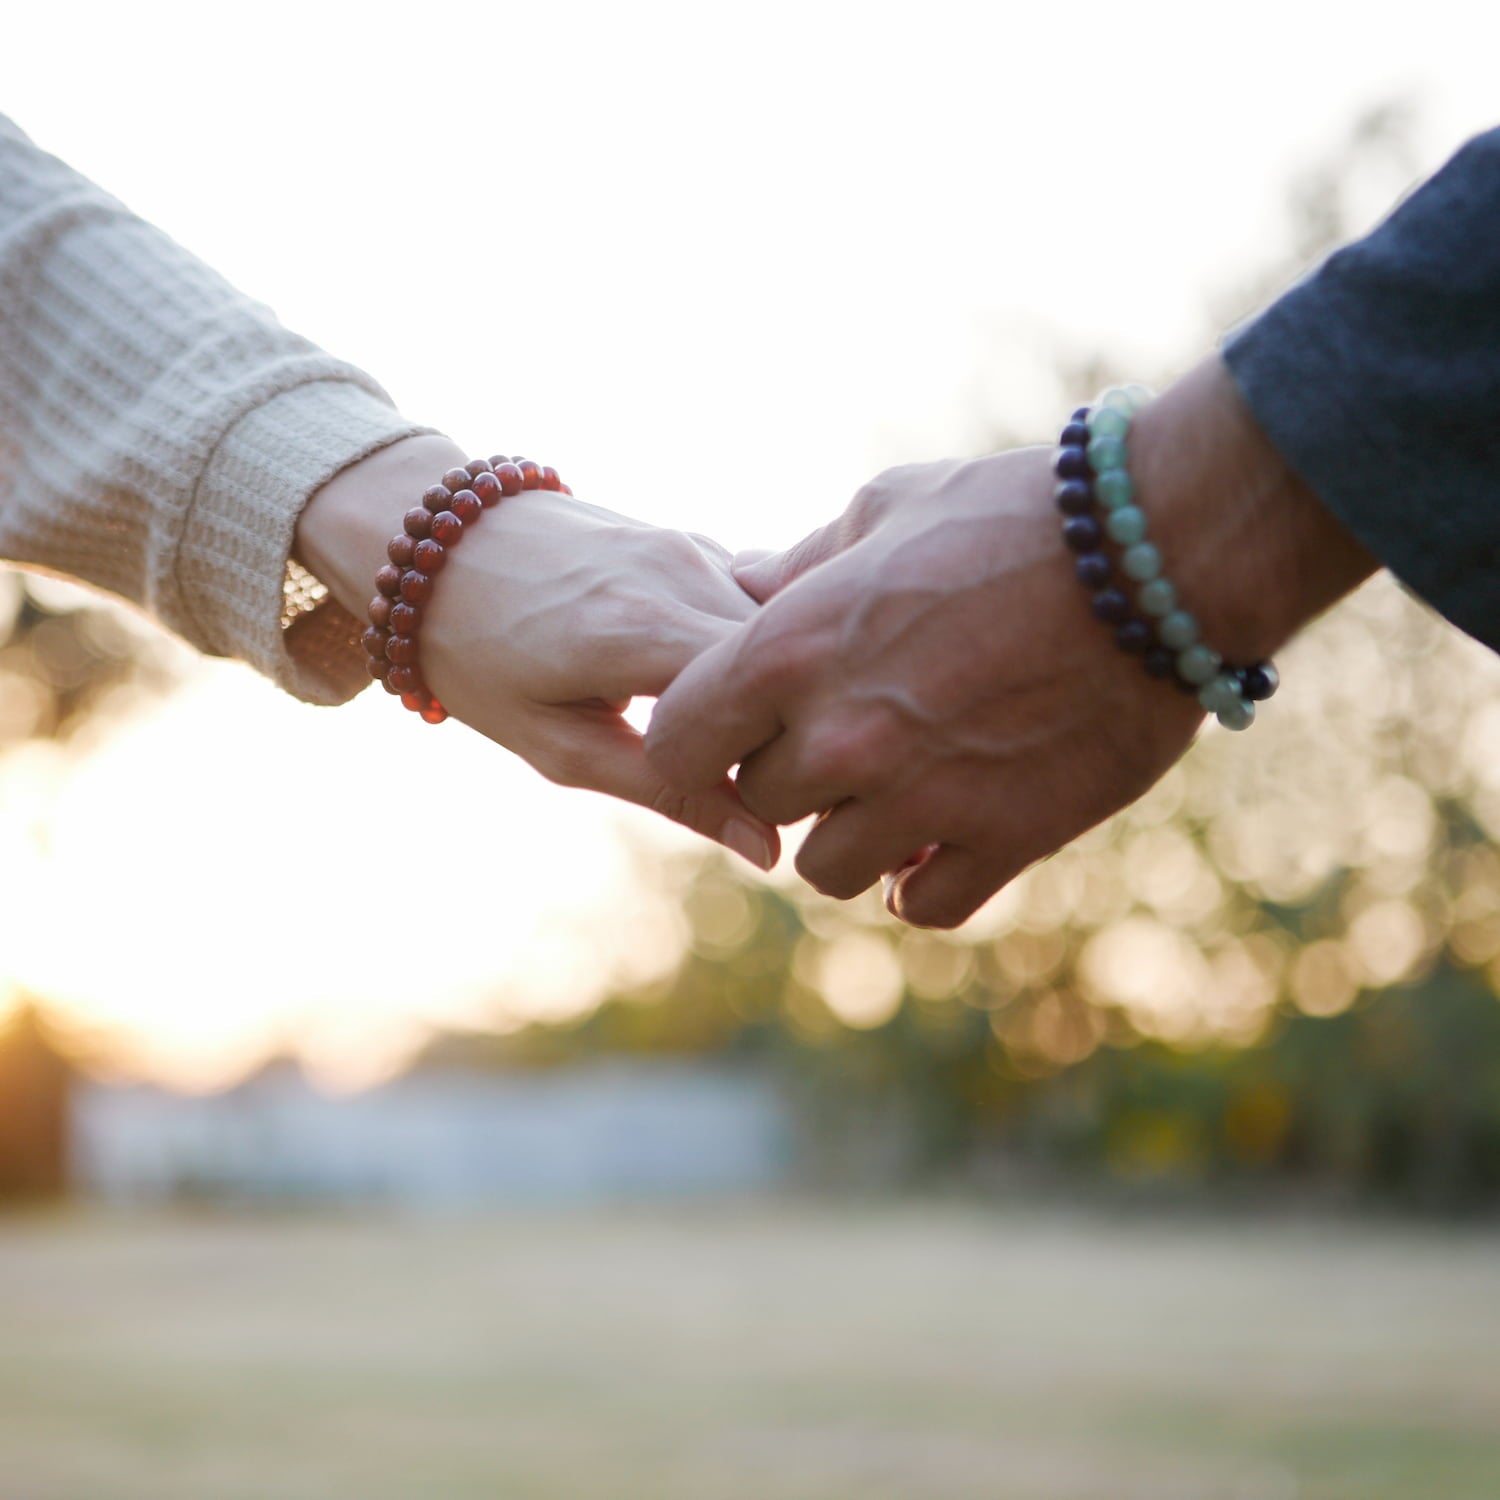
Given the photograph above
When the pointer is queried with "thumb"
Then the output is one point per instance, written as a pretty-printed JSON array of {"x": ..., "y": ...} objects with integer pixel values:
[{"x": 764, "y": 574}]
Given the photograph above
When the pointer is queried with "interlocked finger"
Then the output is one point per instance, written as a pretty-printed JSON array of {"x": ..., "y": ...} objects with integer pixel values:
[
  {"x": 948, "y": 888},
  {"x": 854, "y": 844}
]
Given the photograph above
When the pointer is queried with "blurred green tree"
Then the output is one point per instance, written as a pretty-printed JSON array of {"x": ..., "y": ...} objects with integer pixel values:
[
  {"x": 67, "y": 656},
  {"x": 1279, "y": 965}
]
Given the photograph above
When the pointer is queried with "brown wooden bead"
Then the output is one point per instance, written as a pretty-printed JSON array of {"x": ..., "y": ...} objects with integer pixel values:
[
  {"x": 446, "y": 528},
  {"x": 416, "y": 587},
  {"x": 420, "y": 552}
]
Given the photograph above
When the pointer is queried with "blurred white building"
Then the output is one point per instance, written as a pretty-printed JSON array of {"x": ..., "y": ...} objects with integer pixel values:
[{"x": 438, "y": 1138}]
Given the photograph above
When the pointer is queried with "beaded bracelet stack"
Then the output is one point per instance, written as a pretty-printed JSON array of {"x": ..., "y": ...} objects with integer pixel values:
[
  {"x": 419, "y": 552},
  {"x": 1092, "y": 474}
]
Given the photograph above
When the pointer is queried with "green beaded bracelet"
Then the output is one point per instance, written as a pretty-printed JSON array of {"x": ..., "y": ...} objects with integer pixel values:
[{"x": 1096, "y": 442}]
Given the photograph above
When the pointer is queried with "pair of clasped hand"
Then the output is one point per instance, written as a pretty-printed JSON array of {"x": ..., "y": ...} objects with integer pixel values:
[{"x": 920, "y": 675}]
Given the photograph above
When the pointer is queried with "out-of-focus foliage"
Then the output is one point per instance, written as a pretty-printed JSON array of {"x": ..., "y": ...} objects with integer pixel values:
[
  {"x": 1282, "y": 962},
  {"x": 69, "y": 657},
  {"x": 70, "y": 661},
  {"x": 911, "y": 1054}
]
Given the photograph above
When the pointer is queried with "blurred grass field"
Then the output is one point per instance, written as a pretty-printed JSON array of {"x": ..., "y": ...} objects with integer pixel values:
[{"x": 747, "y": 1353}]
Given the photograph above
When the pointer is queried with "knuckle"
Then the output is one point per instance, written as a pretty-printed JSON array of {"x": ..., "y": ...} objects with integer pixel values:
[
  {"x": 851, "y": 753},
  {"x": 708, "y": 547},
  {"x": 678, "y": 552},
  {"x": 881, "y": 494},
  {"x": 871, "y": 500},
  {"x": 676, "y": 806},
  {"x": 780, "y": 662}
]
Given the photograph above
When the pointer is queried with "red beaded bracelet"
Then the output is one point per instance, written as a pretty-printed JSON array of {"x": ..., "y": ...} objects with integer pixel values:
[{"x": 417, "y": 555}]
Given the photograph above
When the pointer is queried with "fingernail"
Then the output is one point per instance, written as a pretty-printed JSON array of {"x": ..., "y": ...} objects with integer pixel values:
[
  {"x": 888, "y": 887},
  {"x": 748, "y": 842}
]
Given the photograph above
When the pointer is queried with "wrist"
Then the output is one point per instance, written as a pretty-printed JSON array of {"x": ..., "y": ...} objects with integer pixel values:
[
  {"x": 1255, "y": 552},
  {"x": 343, "y": 529}
]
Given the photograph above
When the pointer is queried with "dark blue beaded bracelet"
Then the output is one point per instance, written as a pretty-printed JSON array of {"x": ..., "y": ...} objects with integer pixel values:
[
  {"x": 1093, "y": 570},
  {"x": 1259, "y": 681},
  {"x": 1159, "y": 662},
  {"x": 1072, "y": 462},
  {"x": 1111, "y": 605},
  {"x": 1083, "y": 533},
  {"x": 1074, "y": 497}
]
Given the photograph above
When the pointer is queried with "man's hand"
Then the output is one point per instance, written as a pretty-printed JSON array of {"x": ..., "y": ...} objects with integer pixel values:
[
  {"x": 548, "y": 620},
  {"x": 926, "y": 670}
]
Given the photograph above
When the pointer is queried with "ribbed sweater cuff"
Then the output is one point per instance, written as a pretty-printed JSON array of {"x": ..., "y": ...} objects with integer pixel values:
[{"x": 231, "y": 565}]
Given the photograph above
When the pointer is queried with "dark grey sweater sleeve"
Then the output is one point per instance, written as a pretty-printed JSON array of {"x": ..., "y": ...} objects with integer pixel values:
[{"x": 1378, "y": 379}]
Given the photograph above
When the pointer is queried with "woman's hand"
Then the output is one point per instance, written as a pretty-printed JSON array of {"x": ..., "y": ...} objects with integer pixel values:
[{"x": 548, "y": 619}]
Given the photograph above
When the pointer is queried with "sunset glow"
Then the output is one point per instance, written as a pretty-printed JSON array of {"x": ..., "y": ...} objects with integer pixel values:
[{"x": 784, "y": 254}]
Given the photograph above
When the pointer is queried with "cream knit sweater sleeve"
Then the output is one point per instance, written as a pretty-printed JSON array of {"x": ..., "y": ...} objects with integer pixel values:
[{"x": 160, "y": 432}]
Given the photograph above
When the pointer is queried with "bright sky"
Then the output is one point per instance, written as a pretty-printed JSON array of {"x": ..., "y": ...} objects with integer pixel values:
[{"x": 719, "y": 264}]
